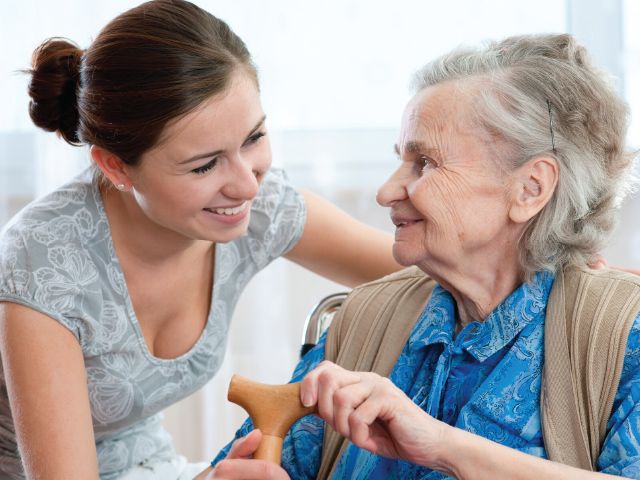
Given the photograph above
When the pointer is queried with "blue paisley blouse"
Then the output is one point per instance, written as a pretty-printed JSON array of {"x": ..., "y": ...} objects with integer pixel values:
[{"x": 486, "y": 380}]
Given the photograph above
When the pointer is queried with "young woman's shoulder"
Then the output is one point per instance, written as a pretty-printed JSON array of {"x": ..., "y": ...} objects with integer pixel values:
[
  {"x": 46, "y": 250},
  {"x": 73, "y": 199},
  {"x": 277, "y": 221}
]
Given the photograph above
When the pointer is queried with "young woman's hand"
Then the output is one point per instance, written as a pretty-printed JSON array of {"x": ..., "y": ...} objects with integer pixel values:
[
  {"x": 600, "y": 262},
  {"x": 240, "y": 465},
  {"x": 373, "y": 413}
]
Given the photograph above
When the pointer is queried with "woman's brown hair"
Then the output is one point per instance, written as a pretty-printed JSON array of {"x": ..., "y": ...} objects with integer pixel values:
[{"x": 149, "y": 65}]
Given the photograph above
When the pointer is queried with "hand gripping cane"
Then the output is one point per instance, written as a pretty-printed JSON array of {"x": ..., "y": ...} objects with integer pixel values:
[{"x": 272, "y": 408}]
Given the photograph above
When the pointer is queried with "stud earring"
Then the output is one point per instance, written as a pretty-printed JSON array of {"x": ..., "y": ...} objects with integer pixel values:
[{"x": 120, "y": 186}]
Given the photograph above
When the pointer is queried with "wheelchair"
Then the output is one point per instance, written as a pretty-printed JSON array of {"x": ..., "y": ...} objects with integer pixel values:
[{"x": 319, "y": 320}]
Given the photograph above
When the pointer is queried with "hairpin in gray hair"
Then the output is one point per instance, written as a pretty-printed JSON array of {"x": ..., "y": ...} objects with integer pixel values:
[{"x": 553, "y": 143}]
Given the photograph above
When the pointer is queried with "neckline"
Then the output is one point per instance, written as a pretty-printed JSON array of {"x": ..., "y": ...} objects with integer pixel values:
[
  {"x": 131, "y": 314},
  {"x": 522, "y": 307}
]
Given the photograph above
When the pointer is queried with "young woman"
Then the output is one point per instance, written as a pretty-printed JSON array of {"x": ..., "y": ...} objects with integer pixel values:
[{"x": 116, "y": 290}]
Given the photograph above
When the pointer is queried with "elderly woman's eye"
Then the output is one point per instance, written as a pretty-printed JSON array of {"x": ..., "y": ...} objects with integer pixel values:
[{"x": 425, "y": 163}]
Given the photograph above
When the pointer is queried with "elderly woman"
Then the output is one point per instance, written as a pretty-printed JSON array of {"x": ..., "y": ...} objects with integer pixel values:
[{"x": 511, "y": 168}]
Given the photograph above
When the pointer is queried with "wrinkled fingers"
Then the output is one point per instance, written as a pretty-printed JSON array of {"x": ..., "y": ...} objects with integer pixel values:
[
  {"x": 319, "y": 386},
  {"x": 378, "y": 406},
  {"x": 345, "y": 402}
]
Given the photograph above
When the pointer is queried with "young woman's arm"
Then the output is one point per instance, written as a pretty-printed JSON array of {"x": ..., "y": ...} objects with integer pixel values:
[
  {"x": 339, "y": 247},
  {"x": 46, "y": 383}
]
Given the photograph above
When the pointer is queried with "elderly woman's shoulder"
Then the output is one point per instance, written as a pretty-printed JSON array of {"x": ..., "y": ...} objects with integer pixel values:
[
  {"x": 403, "y": 289},
  {"x": 603, "y": 286},
  {"x": 409, "y": 274},
  {"x": 600, "y": 275}
]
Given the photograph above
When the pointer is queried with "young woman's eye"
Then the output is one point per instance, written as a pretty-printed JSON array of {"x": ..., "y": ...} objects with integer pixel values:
[
  {"x": 206, "y": 167},
  {"x": 254, "y": 138}
]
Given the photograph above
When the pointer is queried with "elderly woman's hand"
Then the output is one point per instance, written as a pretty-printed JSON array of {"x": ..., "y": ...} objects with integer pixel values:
[
  {"x": 240, "y": 465},
  {"x": 373, "y": 413}
]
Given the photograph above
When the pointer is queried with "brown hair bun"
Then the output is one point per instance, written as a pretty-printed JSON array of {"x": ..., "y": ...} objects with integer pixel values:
[{"x": 53, "y": 88}]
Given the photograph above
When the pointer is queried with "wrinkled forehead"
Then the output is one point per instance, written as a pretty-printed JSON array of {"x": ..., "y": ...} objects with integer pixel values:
[
  {"x": 435, "y": 114},
  {"x": 444, "y": 122}
]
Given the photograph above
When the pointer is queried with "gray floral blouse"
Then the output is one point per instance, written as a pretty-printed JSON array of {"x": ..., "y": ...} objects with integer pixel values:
[{"x": 57, "y": 257}]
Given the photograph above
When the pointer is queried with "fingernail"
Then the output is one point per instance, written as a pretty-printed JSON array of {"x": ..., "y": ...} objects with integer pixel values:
[{"x": 307, "y": 401}]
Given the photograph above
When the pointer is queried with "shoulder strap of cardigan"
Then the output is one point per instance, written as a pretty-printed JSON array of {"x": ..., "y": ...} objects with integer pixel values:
[
  {"x": 369, "y": 333},
  {"x": 589, "y": 316}
]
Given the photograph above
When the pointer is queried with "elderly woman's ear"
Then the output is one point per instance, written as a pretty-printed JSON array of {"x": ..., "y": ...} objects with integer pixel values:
[{"x": 532, "y": 186}]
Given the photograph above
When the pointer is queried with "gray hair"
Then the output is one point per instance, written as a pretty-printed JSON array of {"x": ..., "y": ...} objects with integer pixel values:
[{"x": 540, "y": 95}]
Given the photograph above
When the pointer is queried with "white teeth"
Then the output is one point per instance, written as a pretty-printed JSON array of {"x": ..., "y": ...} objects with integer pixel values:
[{"x": 230, "y": 211}]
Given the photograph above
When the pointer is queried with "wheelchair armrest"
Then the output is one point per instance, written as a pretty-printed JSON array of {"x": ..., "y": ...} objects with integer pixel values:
[{"x": 319, "y": 320}]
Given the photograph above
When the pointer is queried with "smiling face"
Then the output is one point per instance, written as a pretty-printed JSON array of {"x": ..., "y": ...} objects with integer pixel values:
[
  {"x": 448, "y": 198},
  {"x": 201, "y": 178}
]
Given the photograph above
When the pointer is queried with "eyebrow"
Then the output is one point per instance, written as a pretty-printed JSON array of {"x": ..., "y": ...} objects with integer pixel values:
[
  {"x": 416, "y": 147},
  {"x": 218, "y": 152}
]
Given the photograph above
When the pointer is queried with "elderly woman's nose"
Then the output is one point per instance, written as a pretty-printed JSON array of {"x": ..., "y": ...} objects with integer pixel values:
[{"x": 391, "y": 191}]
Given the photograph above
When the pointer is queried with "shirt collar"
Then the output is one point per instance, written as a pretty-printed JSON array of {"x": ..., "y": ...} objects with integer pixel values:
[
  {"x": 523, "y": 306},
  {"x": 437, "y": 321}
]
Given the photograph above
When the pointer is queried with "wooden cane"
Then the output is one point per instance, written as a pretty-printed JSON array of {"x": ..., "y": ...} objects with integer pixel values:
[{"x": 272, "y": 408}]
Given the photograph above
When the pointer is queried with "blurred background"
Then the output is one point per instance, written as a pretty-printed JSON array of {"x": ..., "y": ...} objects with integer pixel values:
[{"x": 334, "y": 79}]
